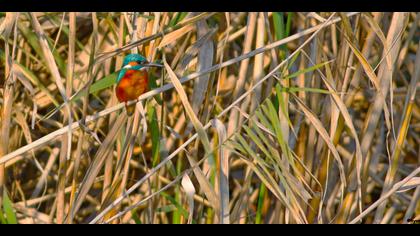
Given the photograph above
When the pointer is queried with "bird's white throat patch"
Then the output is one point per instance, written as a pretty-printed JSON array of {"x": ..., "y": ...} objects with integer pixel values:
[{"x": 130, "y": 66}]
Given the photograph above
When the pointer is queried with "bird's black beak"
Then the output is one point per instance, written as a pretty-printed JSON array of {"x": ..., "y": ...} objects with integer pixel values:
[{"x": 151, "y": 64}]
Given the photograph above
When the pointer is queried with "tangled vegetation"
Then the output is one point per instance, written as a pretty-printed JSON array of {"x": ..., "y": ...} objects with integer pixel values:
[{"x": 253, "y": 118}]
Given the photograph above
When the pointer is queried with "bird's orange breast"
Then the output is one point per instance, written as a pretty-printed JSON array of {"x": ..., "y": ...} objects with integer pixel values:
[{"x": 132, "y": 85}]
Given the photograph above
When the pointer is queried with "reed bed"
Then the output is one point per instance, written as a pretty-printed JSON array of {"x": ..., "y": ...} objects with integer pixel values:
[{"x": 255, "y": 118}]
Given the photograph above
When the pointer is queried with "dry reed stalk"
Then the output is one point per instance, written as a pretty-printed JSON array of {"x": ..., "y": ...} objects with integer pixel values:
[{"x": 6, "y": 112}]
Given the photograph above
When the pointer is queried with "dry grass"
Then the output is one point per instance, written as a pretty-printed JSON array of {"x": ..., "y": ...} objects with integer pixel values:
[{"x": 255, "y": 118}]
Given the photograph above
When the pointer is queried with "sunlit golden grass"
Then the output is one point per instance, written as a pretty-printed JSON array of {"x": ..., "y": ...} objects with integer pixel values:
[{"x": 254, "y": 118}]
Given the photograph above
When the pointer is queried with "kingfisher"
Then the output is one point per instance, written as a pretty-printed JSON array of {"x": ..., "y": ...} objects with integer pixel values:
[{"x": 132, "y": 80}]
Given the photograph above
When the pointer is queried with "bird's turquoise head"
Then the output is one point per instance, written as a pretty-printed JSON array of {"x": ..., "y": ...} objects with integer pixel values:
[
  {"x": 134, "y": 62},
  {"x": 134, "y": 59}
]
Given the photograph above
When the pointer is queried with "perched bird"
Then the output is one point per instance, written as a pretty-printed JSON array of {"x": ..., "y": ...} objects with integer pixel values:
[{"x": 132, "y": 81}]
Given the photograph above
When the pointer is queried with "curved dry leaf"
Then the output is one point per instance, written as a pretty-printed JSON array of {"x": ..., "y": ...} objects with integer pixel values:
[
  {"x": 224, "y": 172},
  {"x": 7, "y": 24},
  {"x": 324, "y": 135},
  {"x": 412, "y": 183},
  {"x": 204, "y": 183},
  {"x": 205, "y": 61},
  {"x": 98, "y": 162},
  {"x": 173, "y": 36},
  {"x": 189, "y": 189},
  {"x": 187, "y": 106}
]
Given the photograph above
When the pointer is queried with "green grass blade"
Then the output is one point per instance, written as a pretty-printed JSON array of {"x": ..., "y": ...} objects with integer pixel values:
[
  {"x": 177, "y": 205},
  {"x": 8, "y": 209},
  {"x": 306, "y": 70},
  {"x": 2, "y": 219},
  {"x": 154, "y": 129},
  {"x": 261, "y": 195},
  {"x": 136, "y": 217}
]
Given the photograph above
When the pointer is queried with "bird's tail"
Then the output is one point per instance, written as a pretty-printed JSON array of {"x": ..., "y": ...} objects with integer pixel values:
[{"x": 130, "y": 109}]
